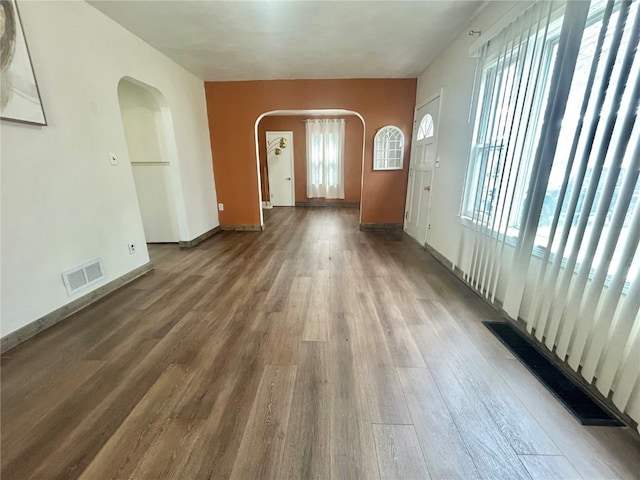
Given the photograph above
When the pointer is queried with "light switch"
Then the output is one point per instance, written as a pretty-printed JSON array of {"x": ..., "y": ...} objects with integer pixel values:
[{"x": 113, "y": 160}]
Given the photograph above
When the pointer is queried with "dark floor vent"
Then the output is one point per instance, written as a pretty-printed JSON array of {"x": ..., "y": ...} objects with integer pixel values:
[{"x": 564, "y": 388}]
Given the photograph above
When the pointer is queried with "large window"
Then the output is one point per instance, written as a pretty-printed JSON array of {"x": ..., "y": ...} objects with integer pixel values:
[
  {"x": 607, "y": 155},
  {"x": 514, "y": 82},
  {"x": 554, "y": 170},
  {"x": 325, "y": 158},
  {"x": 513, "y": 92}
]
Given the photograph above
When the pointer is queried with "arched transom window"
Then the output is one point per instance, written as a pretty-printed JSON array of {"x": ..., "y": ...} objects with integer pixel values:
[
  {"x": 388, "y": 150},
  {"x": 425, "y": 130}
]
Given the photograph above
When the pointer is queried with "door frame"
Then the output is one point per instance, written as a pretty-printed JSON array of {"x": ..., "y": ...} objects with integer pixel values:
[
  {"x": 283, "y": 133},
  {"x": 436, "y": 164}
]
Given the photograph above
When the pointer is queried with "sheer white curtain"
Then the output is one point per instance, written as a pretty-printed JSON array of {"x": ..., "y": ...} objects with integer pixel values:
[{"x": 325, "y": 158}]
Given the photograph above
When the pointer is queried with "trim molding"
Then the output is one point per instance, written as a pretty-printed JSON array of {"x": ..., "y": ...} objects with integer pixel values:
[
  {"x": 242, "y": 228},
  {"x": 367, "y": 227},
  {"x": 150, "y": 164},
  {"x": 329, "y": 204},
  {"x": 199, "y": 238},
  {"x": 447, "y": 264},
  {"x": 14, "y": 339}
]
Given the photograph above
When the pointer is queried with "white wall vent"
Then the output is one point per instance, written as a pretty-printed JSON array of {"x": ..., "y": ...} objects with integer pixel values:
[{"x": 83, "y": 276}]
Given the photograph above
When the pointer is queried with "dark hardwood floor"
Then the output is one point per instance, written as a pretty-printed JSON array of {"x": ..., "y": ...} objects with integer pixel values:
[{"x": 308, "y": 351}]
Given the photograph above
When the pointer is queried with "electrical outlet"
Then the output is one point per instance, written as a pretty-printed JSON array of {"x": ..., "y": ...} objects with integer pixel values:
[
  {"x": 221, "y": 207},
  {"x": 113, "y": 160},
  {"x": 132, "y": 248}
]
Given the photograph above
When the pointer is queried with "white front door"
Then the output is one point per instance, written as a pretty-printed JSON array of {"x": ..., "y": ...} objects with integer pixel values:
[
  {"x": 280, "y": 165},
  {"x": 423, "y": 162}
]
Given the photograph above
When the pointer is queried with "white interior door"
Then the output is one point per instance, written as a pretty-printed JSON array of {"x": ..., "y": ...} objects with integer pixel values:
[
  {"x": 422, "y": 165},
  {"x": 280, "y": 164}
]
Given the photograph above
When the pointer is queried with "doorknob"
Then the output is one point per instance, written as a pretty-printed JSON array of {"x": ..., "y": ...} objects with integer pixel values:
[{"x": 288, "y": 178}]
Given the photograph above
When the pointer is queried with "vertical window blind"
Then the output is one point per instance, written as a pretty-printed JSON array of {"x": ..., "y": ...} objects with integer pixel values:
[
  {"x": 513, "y": 90},
  {"x": 552, "y": 185}
]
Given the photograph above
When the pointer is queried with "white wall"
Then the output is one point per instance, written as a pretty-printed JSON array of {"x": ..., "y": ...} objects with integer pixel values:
[
  {"x": 155, "y": 173},
  {"x": 143, "y": 126},
  {"x": 157, "y": 205},
  {"x": 61, "y": 202}
]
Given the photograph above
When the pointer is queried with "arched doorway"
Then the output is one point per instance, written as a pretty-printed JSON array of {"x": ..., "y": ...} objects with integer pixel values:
[
  {"x": 148, "y": 129},
  {"x": 296, "y": 119}
]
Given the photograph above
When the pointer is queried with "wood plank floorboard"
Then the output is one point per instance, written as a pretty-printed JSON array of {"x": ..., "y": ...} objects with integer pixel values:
[
  {"x": 263, "y": 438},
  {"x": 524, "y": 434},
  {"x": 591, "y": 450},
  {"x": 307, "y": 444},
  {"x": 308, "y": 350},
  {"x": 399, "y": 454},
  {"x": 549, "y": 467},
  {"x": 353, "y": 452},
  {"x": 490, "y": 449},
  {"x": 441, "y": 442}
]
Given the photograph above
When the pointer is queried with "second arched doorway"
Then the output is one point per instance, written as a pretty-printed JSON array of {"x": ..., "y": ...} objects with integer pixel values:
[{"x": 292, "y": 122}]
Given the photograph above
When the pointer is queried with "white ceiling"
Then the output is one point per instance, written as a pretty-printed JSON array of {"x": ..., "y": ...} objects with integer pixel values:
[{"x": 261, "y": 40}]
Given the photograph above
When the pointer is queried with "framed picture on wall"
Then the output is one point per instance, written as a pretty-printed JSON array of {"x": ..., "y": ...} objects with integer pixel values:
[{"x": 19, "y": 95}]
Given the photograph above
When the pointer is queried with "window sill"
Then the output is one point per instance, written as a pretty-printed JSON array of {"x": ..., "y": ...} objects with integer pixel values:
[
  {"x": 469, "y": 223},
  {"x": 538, "y": 251}
]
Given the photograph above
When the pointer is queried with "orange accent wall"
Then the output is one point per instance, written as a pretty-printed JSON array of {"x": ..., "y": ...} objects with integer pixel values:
[
  {"x": 354, "y": 130},
  {"x": 234, "y": 107}
]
